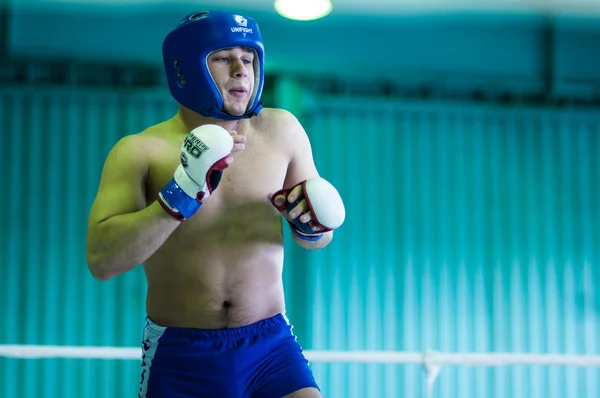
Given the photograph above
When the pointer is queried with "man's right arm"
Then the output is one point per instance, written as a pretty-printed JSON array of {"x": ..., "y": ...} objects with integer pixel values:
[{"x": 122, "y": 231}]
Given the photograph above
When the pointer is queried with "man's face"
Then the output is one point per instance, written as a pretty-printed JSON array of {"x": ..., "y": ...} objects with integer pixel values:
[{"x": 233, "y": 72}]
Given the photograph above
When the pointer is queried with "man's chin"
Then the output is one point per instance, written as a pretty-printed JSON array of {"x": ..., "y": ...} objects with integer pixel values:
[{"x": 235, "y": 111}]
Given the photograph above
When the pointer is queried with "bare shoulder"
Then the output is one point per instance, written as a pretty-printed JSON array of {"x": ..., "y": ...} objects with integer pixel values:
[
  {"x": 282, "y": 129},
  {"x": 281, "y": 126},
  {"x": 131, "y": 147},
  {"x": 143, "y": 146},
  {"x": 277, "y": 119},
  {"x": 154, "y": 138},
  {"x": 121, "y": 187}
]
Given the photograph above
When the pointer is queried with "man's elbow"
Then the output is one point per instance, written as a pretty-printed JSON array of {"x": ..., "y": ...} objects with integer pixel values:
[{"x": 98, "y": 268}]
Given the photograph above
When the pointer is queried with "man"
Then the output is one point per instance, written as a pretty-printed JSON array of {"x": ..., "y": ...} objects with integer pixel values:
[{"x": 198, "y": 199}]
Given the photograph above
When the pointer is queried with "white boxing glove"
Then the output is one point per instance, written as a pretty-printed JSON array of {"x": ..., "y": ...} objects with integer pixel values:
[
  {"x": 203, "y": 158},
  {"x": 324, "y": 203}
]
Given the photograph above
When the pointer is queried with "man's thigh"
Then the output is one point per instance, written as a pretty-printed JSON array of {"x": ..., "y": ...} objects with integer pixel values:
[
  {"x": 305, "y": 393},
  {"x": 284, "y": 371}
]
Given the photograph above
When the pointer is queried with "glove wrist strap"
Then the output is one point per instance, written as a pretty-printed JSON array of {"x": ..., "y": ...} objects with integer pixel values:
[
  {"x": 176, "y": 202},
  {"x": 305, "y": 236}
]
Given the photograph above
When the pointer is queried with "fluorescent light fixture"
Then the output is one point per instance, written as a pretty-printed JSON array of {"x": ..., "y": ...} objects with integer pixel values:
[{"x": 303, "y": 10}]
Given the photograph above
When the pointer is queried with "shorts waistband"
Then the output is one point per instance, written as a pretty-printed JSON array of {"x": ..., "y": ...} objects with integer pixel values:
[{"x": 227, "y": 333}]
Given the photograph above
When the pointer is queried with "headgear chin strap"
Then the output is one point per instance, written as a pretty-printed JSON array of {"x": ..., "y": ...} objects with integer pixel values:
[{"x": 185, "y": 52}]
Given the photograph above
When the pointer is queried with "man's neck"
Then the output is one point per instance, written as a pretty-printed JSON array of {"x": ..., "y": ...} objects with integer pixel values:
[{"x": 191, "y": 120}]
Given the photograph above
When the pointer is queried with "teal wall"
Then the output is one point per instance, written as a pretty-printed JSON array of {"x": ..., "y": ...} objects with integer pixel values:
[
  {"x": 521, "y": 53},
  {"x": 53, "y": 146},
  {"x": 470, "y": 228}
]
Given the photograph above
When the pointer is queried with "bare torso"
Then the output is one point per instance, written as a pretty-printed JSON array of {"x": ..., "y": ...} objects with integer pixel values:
[{"x": 223, "y": 266}]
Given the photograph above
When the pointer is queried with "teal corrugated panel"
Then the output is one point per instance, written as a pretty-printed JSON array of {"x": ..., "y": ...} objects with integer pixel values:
[
  {"x": 469, "y": 229},
  {"x": 13, "y": 256},
  {"x": 54, "y": 142}
]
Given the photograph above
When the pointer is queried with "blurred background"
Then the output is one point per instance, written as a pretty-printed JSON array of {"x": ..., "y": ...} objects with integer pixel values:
[{"x": 463, "y": 135}]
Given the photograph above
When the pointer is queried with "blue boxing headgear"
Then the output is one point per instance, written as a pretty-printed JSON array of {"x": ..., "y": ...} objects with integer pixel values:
[{"x": 185, "y": 52}]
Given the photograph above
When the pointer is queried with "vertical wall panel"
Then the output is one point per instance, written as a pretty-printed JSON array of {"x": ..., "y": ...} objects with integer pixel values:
[
  {"x": 469, "y": 229},
  {"x": 54, "y": 143}
]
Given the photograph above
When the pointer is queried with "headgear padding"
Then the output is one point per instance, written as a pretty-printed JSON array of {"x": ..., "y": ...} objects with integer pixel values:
[{"x": 185, "y": 52}]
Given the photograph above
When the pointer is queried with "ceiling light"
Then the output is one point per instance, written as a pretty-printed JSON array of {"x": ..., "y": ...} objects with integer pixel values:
[{"x": 303, "y": 10}]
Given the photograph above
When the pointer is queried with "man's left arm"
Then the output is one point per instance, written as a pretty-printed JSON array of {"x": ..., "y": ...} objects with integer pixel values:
[{"x": 311, "y": 205}]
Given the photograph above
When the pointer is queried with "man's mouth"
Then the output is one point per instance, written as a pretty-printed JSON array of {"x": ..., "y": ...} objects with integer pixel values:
[{"x": 238, "y": 92}]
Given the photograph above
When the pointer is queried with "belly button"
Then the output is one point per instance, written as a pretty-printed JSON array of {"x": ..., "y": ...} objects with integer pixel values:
[{"x": 226, "y": 304}]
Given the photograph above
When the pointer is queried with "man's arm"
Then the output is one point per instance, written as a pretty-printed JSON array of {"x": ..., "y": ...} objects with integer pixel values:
[
  {"x": 301, "y": 167},
  {"x": 122, "y": 232}
]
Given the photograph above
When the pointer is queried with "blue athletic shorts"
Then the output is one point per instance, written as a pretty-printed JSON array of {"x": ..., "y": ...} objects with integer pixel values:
[{"x": 261, "y": 360}]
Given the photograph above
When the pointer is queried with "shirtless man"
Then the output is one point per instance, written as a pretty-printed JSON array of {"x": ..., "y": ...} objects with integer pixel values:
[{"x": 208, "y": 229}]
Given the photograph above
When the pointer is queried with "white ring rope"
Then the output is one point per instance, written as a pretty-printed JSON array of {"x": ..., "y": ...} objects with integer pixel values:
[
  {"x": 430, "y": 357},
  {"x": 431, "y": 360}
]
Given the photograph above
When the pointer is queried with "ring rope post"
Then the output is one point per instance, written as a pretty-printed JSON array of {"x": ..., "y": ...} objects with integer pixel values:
[{"x": 432, "y": 369}]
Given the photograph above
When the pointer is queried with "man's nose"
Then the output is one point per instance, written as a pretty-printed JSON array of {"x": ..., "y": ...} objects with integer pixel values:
[{"x": 238, "y": 69}]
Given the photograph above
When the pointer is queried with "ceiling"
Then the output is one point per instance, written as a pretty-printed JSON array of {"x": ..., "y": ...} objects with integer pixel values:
[
  {"x": 362, "y": 7},
  {"x": 404, "y": 6},
  {"x": 503, "y": 44}
]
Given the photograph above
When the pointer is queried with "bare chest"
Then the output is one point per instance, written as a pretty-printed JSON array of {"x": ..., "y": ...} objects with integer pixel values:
[{"x": 256, "y": 172}]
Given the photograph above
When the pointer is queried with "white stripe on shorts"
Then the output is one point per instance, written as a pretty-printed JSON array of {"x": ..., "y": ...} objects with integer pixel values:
[{"x": 152, "y": 333}]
